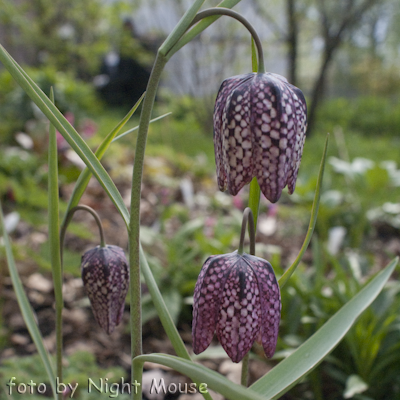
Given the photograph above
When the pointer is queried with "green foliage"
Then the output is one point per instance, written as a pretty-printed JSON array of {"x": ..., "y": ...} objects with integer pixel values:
[
  {"x": 369, "y": 351},
  {"x": 67, "y": 35},
  {"x": 369, "y": 115},
  {"x": 17, "y": 109}
]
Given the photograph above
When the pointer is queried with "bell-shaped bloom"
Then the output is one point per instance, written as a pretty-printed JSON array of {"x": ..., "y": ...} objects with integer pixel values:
[
  {"x": 105, "y": 275},
  {"x": 260, "y": 122},
  {"x": 238, "y": 297}
]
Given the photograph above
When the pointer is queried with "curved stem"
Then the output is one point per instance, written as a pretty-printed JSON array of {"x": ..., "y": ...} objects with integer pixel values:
[
  {"x": 230, "y": 13},
  {"x": 204, "y": 24},
  {"x": 69, "y": 218},
  {"x": 247, "y": 217},
  {"x": 134, "y": 223}
]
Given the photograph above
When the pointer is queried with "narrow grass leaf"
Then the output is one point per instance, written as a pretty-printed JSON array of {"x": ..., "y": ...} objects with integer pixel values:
[
  {"x": 25, "y": 306},
  {"x": 200, "y": 373},
  {"x": 54, "y": 239},
  {"x": 65, "y": 128},
  {"x": 289, "y": 371},
  {"x": 180, "y": 27},
  {"x": 314, "y": 212},
  {"x": 86, "y": 174},
  {"x": 137, "y": 127}
]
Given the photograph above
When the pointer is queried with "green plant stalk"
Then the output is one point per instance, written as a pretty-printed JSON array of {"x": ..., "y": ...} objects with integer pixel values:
[
  {"x": 244, "y": 378},
  {"x": 25, "y": 307},
  {"x": 134, "y": 223},
  {"x": 254, "y": 204},
  {"x": 55, "y": 255},
  {"x": 314, "y": 212},
  {"x": 254, "y": 191},
  {"x": 68, "y": 219},
  {"x": 233, "y": 14},
  {"x": 249, "y": 217},
  {"x": 180, "y": 28},
  {"x": 200, "y": 27}
]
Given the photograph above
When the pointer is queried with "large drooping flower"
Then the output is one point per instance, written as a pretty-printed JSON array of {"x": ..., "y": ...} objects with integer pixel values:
[
  {"x": 237, "y": 296},
  {"x": 105, "y": 275},
  {"x": 260, "y": 122}
]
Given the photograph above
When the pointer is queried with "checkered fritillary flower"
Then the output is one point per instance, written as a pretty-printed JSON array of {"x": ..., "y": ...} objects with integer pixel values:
[{"x": 260, "y": 122}]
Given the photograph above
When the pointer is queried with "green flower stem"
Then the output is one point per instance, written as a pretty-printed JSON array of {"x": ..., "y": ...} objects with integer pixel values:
[
  {"x": 247, "y": 217},
  {"x": 68, "y": 219},
  {"x": 254, "y": 200},
  {"x": 54, "y": 229},
  {"x": 245, "y": 370},
  {"x": 230, "y": 13},
  {"x": 134, "y": 223},
  {"x": 200, "y": 27}
]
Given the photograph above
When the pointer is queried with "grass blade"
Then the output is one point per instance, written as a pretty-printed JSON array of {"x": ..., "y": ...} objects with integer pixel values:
[
  {"x": 194, "y": 371},
  {"x": 25, "y": 307},
  {"x": 289, "y": 371},
  {"x": 66, "y": 129},
  {"x": 54, "y": 242},
  {"x": 180, "y": 27},
  {"x": 314, "y": 212},
  {"x": 86, "y": 174},
  {"x": 137, "y": 127}
]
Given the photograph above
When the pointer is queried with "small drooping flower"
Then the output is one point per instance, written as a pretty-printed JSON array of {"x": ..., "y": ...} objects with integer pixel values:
[
  {"x": 105, "y": 275},
  {"x": 260, "y": 122},
  {"x": 238, "y": 297}
]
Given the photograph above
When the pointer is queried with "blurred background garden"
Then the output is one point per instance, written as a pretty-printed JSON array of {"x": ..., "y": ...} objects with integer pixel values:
[{"x": 97, "y": 54}]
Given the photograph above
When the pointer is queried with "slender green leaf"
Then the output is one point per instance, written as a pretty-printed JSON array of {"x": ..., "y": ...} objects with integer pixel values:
[
  {"x": 180, "y": 27},
  {"x": 24, "y": 305},
  {"x": 86, "y": 174},
  {"x": 196, "y": 30},
  {"x": 66, "y": 129},
  {"x": 289, "y": 371},
  {"x": 137, "y": 127},
  {"x": 314, "y": 212},
  {"x": 200, "y": 373},
  {"x": 54, "y": 241}
]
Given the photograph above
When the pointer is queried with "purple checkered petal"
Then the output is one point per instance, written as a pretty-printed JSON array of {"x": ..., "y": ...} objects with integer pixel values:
[
  {"x": 270, "y": 302},
  {"x": 259, "y": 130},
  {"x": 206, "y": 299},
  {"x": 225, "y": 146},
  {"x": 105, "y": 275},
  {"x": 240, "y": 310}
]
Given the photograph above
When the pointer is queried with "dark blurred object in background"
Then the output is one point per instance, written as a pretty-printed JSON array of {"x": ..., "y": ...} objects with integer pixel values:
[
  {"x": 122, "y": 80},
  {"x": 124, "y": 73}
]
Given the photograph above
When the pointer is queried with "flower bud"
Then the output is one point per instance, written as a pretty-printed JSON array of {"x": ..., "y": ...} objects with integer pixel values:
[
  {"x": 260, "y": 122},
  {"x": 105, "y": 275}
]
